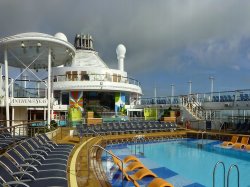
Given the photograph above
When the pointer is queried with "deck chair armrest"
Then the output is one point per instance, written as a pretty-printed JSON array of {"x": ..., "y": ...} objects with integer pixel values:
[
  {"x": 33, "y": 160},
  {"x": 49, "y": 142},
  {"x": 59, "y": 159},
  {"x": 51, "y": 149},
  {"x": 62, "y": 164},
  {"x": 15, "y": 183},
  {"x": 27, "y": 166},
  {"x": 59, "y": 170},
  {"x": 41, "y": 151},
  {"x": 37, "y": 155},
  {"x": 4, "y": 143},
  {"x": 50, "y": 145},
  {"x": 24, "y": 173},
  {"x": 64, "y": 178},
  {"x": 53, "y": 143},
  {"x": 46, "y": 147}
]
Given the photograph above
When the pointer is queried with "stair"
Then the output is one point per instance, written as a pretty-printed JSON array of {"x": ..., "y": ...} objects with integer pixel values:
[
  {"x": 196, "y": 111},
  {"x": 194, "y": 108}
]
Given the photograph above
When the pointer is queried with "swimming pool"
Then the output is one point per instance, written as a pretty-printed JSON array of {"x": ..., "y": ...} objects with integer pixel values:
[{"x": 184, "y": 164}]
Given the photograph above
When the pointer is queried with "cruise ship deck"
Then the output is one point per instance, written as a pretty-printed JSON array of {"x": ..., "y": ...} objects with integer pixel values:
[
  {"x": 96, "y": 116},
  {"x": 85, "y": 162}
]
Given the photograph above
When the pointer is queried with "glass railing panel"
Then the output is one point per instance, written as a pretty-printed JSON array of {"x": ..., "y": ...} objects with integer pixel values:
[
  {"x": 96, "y": 77},
  {"x": 225, "y": 96}
]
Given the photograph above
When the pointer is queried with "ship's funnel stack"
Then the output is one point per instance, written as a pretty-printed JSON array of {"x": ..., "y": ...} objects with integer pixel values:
[{"x": 84, "y": 42}]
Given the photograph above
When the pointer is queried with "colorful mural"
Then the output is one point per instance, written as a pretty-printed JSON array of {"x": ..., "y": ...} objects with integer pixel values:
[
  {"x": 150, "y": 113},
  {"x": 120, "y": 103},
  {"x": 75, "y": 106}
]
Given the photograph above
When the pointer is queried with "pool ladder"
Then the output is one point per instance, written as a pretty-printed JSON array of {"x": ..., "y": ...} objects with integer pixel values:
[
  {"x": 139, "y": 140},
  {"x": 228, "y": 173},
  {"x": 200, "y": 145}
]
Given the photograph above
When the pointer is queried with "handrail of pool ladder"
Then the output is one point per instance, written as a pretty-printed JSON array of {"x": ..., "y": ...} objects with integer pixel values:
[
  {"x": 202, "y": 138},
  {"x": 219, "y": 162},
  {"x": 106, "y": 152},
  {"x": 135, "y": 139},
  {"x": 238, "y": 174}
]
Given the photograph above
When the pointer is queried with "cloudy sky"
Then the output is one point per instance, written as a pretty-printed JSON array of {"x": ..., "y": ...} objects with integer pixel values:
[{"x": 168, "y": 41}]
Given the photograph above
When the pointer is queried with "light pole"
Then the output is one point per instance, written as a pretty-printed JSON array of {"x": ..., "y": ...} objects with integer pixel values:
[
  {"x": 172, "y": 92},
  {"x": 155, "y": 92},
  {"x": 211, "y": 78},
  {"x": 190, "y": 87}
]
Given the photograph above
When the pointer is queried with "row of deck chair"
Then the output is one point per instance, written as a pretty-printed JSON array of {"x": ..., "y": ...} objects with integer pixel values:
[
  {"x": 139, "y": 170},
  {"x": 241, "y": 128},
  {"x": 35, "y": 162},
  {"x": 243, "y": 144},
  {"x": 6, "y": 138},
  {"x": 125, "y": 128}
]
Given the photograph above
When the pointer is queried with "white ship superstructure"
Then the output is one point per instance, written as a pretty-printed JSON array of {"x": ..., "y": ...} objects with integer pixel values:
[{"x": 41, "y": 75}]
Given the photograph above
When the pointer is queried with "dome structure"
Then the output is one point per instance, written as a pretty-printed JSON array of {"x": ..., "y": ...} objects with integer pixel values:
[
  {"x": 61, "y": 36},
  {"x": 27, "y": 45},
  {"x": 120, "y": 51}
]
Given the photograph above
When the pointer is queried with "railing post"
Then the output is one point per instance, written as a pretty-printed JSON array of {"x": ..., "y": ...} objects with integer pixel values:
[{"x": 61, "y": 132}]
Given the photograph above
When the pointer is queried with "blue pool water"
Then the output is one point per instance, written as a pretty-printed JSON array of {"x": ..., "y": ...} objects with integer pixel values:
[{"x": 184, "y": 164}]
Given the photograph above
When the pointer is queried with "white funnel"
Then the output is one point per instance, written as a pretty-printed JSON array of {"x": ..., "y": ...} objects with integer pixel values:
[{"x": 121, "y": 51}]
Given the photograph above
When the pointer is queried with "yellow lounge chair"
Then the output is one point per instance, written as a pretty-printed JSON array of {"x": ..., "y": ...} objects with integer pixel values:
[
  {"x": 247, "y": 147},
  {"x": 134, "y": 165},
  {"x": 159, "y": 182},
  {"x": 229, "y": 143},
  {"x": 138, "y": 175},
  {"x": 130, "y": 167},
  {"x": 130, "y": 158},
  {"x": 242, "y": 144}
]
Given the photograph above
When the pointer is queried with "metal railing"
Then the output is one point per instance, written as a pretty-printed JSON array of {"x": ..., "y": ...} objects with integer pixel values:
[
  {"x": 27, "y": 88},
  {"x": 238, "y": 174},
  {"x": 228, "y": 173},
  {"x": 24, "y": 127},
  {"x": 95, "y": 77},
  {"x": 200, "y": 145},
  {"x": 224, "y": 96},
  {"x": 98, "y": 146},
  {"x": 224, "y": 173},
  {"x": 137, "y": 141}
]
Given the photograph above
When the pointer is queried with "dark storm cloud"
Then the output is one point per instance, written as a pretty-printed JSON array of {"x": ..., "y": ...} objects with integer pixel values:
[{"x": 172, "y": 35}]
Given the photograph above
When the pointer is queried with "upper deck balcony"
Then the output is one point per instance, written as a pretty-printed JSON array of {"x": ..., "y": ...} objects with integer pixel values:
[
  {"x": 235, "y": 99},
  {"x": 75, "y": 80}
]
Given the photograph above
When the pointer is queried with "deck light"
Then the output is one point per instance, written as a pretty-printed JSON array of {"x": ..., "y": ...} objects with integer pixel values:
[
  {"x": 39, "y": 44},
  {"x": 23, "y": 45}
]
